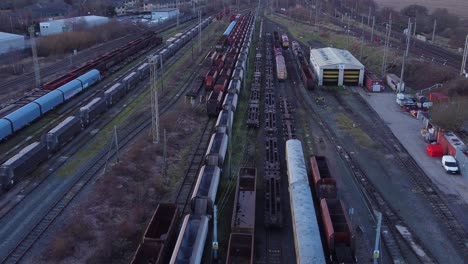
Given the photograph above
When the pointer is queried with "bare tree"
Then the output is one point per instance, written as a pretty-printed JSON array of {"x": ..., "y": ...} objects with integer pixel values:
[{"x": 451, "y": 115}]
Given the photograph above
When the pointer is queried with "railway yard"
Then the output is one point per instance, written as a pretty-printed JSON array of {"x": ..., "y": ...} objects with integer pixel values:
[{"x": 254, "y": 161}]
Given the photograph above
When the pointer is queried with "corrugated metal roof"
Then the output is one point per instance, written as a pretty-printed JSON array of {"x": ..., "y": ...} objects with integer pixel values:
[
  {"x": 8, "y": 36},
  {"x": 331, "y": 56}
]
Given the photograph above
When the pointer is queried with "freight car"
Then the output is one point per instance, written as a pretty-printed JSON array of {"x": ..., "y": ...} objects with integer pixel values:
[
  {"x": 92, "y": 111},
  {"x": 281, "y": 72},
  {"x": 191, "y": 240},
  {"x": 62, "y": 133},
  {"x": 338, "y": 231},
  {"x": 230, "y": 102},
  {"x": 307, "y": 240},
  {"x": 234, "y": 86},
  {"x": 22, "y": 164},
  {"x": 216, "y": 149},
  {"x": 224, "y": 121},
  {"x": 158, "y": 238},
  {"x": 243, "y": 215},
  {"x": 114, "y": 94},
  {"x": 195, "y": 87},
  {"x": 204, "y": 193},
  {"x": 39, "y": 107},
  {"x": 213, "y": 103},
  {"x": 284, "y": 41},
  {"x": 240, "y": 249},
  {"x": 323, "y": 184}
]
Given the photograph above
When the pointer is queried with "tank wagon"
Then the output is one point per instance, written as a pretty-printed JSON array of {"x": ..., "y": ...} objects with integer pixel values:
[
  {"x": 307, "y": 240},
  {"x": 240, "y": 249},
  {"x": 324, "y": 184},
  {"x": 191, "y": 240},
  {"x": 157, "y": 240},
  {"x": 22, "y": 164},
  {"x": 204, "y": 193},
  {"x": 17, "y": 168}
]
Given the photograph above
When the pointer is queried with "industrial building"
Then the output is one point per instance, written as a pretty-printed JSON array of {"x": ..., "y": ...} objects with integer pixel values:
[
  {"x": 68, "y": 24},
  {"x": 9, "y": 42},
  {"x": 336, "y": 67},
  {"x": 164, "y": 13}
]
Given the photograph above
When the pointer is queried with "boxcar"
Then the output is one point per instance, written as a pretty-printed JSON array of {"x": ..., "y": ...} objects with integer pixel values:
[
  {"x": 22, "y": 164},
  {"x": 5, "y": 128},
  {"x": 23, "y": 116},
  {"x": 62, "y": 133},
  {"x": 130, "y": 80},
  {"x": 114, "y": 94},
  {"x": 92, "y": 110},
  {"x": 50, "y": 100}
]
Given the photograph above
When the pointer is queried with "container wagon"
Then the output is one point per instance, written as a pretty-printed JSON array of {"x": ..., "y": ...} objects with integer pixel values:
[
  {"x": 22, "y": 164},
  {"x": 243, "y": 215},
  {"x": 338, "y": 231},
  {"x": 191, "y": 240},
  {"x": 240, "y": 249},
  {"x": 204, "y": 193},
  {"x": 323, "y": 184},
  {"x": 307, "y": 240}
]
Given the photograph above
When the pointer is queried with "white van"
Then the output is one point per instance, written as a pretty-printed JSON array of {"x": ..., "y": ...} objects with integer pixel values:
[{"x": 450, "y": 164}]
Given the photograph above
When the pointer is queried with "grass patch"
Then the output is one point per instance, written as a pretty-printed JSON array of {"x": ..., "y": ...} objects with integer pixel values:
[
  {"x": 141, "y": 102},
  {"x": 348, "y": 126}
]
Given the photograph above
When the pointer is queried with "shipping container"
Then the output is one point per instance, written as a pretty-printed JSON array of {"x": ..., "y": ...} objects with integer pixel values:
[
  {"x": 393, "y": 81},
  {"x": 373, "y": 83}
]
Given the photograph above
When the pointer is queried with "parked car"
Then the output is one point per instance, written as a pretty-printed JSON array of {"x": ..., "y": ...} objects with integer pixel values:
[{"x": 450, "y": 164}]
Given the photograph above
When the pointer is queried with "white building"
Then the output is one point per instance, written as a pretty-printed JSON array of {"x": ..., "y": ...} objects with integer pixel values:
[
  {"x": 68, "y": 24},
  {"x": 164, "y": 13},
  {"x": 336, "y": 67},
  {"x": 9, "y": 42}
]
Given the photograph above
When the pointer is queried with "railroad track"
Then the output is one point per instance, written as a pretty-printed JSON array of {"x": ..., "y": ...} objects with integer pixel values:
[
  {"x": 22, "y": 83},
  {"x": 384, "y": 136},
  {"x": 196, "y": 162},
  {"x": 87, "y": 173}
]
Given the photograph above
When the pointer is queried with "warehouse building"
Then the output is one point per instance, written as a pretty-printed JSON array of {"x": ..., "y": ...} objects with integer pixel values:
[
  {"x": 336, "y": 67},
  {"x": 68, "y": 24},
  {"x": 164, "y": 13},
  {"x": 9, "y": 42}
]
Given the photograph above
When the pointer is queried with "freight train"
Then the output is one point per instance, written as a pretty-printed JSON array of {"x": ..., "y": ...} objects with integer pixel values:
[
  {"x": 26, "y": 160},
  {"x": 307, "y": 75},
  {"x": 340, "y": 244},
  {"x": 227, "y": 65},
  {"x": 194, "y": 229}
]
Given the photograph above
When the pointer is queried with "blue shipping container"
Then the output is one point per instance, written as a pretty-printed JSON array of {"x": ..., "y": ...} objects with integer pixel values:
[
  {"x": 70, "y": 89},
  {"x": 50, "y": 100},
  {"x": 24, "y": 116},
  {"x": 89, "y": 78},
  {"x": 5, "y": 128}
]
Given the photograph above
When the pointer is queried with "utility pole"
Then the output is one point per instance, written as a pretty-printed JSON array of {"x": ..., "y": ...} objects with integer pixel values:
[
  {"x": 387, "y": 40},
  {"x": 414, "y": 33},
  {"x": 401, "y": 85},
  {"x": 215, "y": 232},
  {"x": 165, "y": 158},
  {"x": 114, "y": 142},
  {"x": 368, "y": 17},
  {"x": 465, "y": 55},
  {"x": 177, "y": 6},
  {"x": 199, "y": 31},
  {"x": 376, "y": 253},
  {"x": 37, "y": 72},
  {"x": 316, "y": 14},
  {"x": 362, "y": 46},
  {"x": 433, "y": 31},
  {"x": 347, "y": 40},
  {"x": 153, "y": 62},
  {"x": 372, "y": 31}
]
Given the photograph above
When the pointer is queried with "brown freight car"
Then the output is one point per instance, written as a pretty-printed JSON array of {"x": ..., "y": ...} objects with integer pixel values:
[
  {"x": 243, "y": 216},
  {"x": 240, "y": 249},
  {"x": 338, "y": 231},
  {"x": 324, "y": 185},
  {"x": 159, "y": 236}
]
